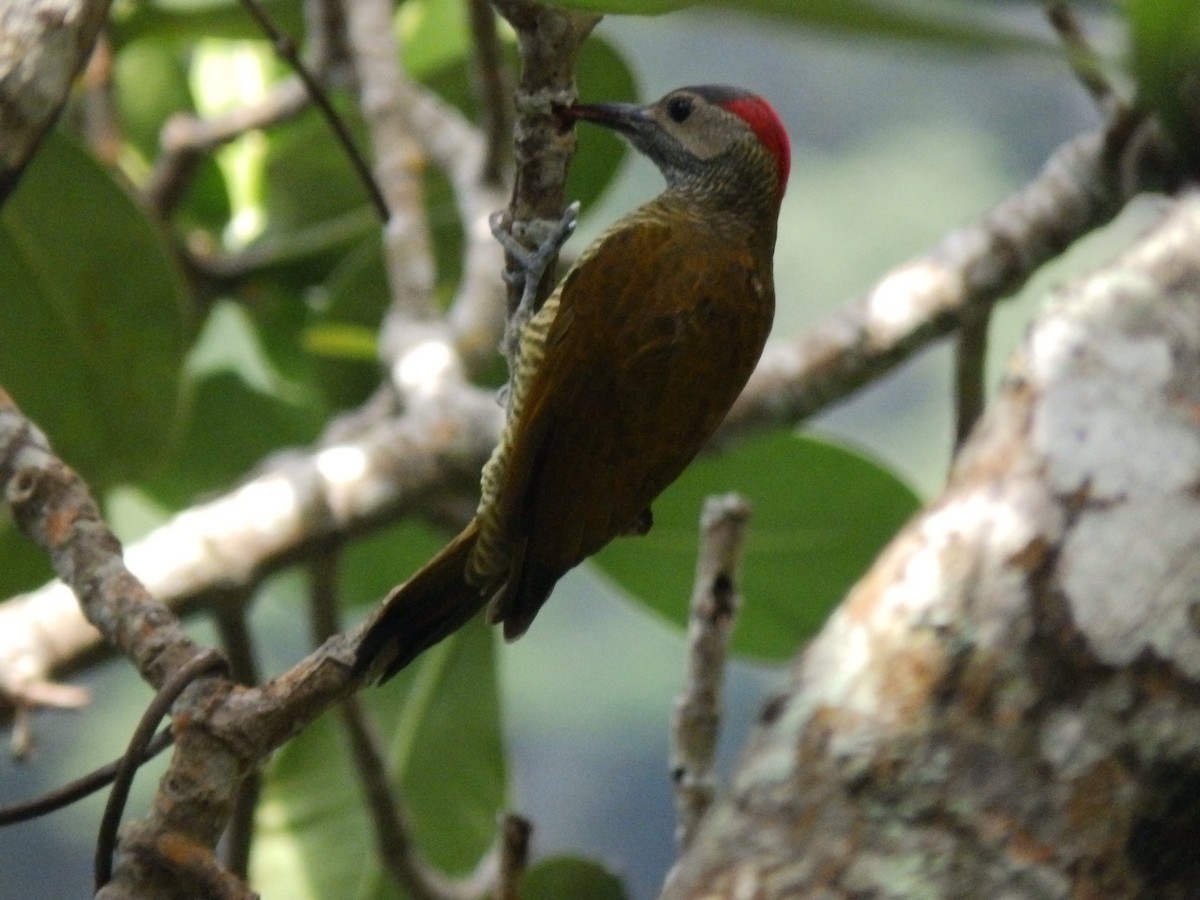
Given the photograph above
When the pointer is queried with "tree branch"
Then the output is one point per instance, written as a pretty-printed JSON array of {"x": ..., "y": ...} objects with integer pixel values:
[
  {"x": 53, "y": 507},
  {"x": 492, "y": 87},
  {"x": 397, "y": 847},
  {"x": 238, "y": 642},
  {"x": 715, "y": 604},
  {"x": 399, "y": 161},
  {"x": 970, "y": 370},
  {"x": 1085, "y": 61},
  {"x": 549, "y": 39},
  {"x": 186, "y": 138},
  {"x": 386, "y": 469},
  {"x": 44, "y": 44}
]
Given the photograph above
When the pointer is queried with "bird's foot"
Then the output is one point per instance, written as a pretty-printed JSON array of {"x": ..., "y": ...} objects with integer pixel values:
[{"x": 531, "y": 265}]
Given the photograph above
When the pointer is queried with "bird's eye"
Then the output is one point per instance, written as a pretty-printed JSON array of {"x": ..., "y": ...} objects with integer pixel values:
[{"x": 679, "y": 108}]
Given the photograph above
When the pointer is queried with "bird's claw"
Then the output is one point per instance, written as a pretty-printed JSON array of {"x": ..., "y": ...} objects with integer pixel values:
[{"x": 531, "y": 265}]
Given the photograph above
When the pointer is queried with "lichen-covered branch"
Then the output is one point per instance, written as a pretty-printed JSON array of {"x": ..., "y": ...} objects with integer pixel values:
[
  {"x": 1008, "y": 703},
  {"x": 51, "y": 504},
  {"x": 44, "y": 44},
  {"x": 53, "y": 507},
  {"x": 715, "y": 604},
  {"x": 340, "y": 487},
  {"x": 398, "y": 157},
  {"x": 549, "y": 39}
]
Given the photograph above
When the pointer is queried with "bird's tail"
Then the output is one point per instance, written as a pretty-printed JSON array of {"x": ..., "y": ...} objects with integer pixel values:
[{"x": 431, "y": 605}]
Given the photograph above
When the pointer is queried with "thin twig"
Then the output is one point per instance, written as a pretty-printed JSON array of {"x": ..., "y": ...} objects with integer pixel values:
[
  {"x": 186, "y": 138},
  {"x": 324, "y": 621},
  {"x": 285, "y": 47},
  {"x": 21, "y": 742},
  {"x": 101, "y": 121},
  {"x": 230, "y": 617},
  {"x": 970, "y": 371},
  {"x": 325, "y": 35},
  {"x": 79, "y": 788},
  {"x": 493, "y": 88},
  {"x": 218, "y": 273},
  {"x": 1082, "y": 57},
  {"x": 695, "y": 725},
  {"x": 514, "y": 856},
  {"x": 393, "y": 831},
  {"x": 398, "y": 850},
  {"x": 39, "y": 693},
  {"x": 205, "y": 662},
  {"x": 239, "y": 833}
]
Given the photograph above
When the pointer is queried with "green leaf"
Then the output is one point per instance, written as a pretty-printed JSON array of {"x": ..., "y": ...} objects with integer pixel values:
[
  {"x": 307, "y": 178},
  {"x": 1165, "y": 37},
  {"x": 434, "y": 34},
  {"x": 191, "y": 20},
  {"x": 569, "y": 876},
  {"x": 449, "y": 746},
  {"x": 945, "y": 22},
  {"x": 375, "y": 563},
  {"x": 25, "y": 565},
  {"x": 151, "y": 85},
  {"x": 441, "y": 725},
  {"x": 240, "y": 405},
  {"x": 92, "y": 316},
  {"x": 821, "y": 515}
]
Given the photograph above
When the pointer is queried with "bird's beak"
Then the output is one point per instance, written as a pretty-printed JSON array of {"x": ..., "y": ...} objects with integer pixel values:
[{"x": 623, "y": 117}]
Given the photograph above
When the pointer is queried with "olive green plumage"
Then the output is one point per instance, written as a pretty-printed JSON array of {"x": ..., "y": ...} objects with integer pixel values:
[{"x": 622, "y": 376}]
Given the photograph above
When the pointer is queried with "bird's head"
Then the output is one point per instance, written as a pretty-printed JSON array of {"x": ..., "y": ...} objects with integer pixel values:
[{"x": 714, "y": 143}]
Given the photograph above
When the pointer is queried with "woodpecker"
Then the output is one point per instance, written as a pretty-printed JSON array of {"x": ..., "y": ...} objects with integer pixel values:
[{"x": 622, "y": 375}]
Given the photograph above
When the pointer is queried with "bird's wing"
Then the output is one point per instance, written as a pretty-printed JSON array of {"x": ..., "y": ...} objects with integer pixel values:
[{"x": 652, "y": 340}]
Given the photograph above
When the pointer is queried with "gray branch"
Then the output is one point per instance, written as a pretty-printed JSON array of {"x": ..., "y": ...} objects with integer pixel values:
[{"x": 44, "y": 44}]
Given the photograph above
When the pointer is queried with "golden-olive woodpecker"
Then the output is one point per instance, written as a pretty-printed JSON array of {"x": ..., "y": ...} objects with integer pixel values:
[{"x": 621, "y": 376}]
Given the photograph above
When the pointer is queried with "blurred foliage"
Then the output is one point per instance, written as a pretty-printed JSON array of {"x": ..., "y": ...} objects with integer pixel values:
[
  {"x": 960, "y": 25},
  {"x": 83, "y": 273},
  {"x": 1165, "y": 38},
  {"x": 821, "y": 514},
  {"x": 563, "y": 877},
  {"x": 148, "y": 377},
  {"x": 440, "y": 718}
]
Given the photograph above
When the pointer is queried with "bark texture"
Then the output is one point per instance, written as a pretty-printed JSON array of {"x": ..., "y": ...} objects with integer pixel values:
[
  {"x": 1008, "y": 704},
  {"x": 43, "y": 46}
]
